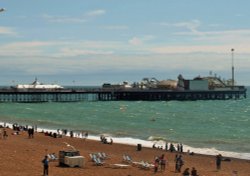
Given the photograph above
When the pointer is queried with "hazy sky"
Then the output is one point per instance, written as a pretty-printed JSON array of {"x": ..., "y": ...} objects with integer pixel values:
[{"x": 89, "y": 42}]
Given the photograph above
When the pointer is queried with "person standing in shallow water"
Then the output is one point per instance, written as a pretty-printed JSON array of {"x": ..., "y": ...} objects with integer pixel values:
[{"x": 45, "y": 166}]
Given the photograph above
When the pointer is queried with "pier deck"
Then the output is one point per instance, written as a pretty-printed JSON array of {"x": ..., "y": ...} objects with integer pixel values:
[{"x": 104, "y": 94}]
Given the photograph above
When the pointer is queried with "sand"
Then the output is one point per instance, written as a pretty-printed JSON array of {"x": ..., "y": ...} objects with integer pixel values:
[{"x": 22, "y": 156}]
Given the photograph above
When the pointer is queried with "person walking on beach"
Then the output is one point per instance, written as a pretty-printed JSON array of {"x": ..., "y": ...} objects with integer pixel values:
[
  {"x": 178, "y": 163},
  {"x": 45, "y": 162},
  {"x": 156, "y": 164},
  {"x": 162, "y": 162},
  {"x": 218, "y": 161}
]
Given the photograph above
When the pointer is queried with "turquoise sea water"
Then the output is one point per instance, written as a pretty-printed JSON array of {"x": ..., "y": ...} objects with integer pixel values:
[{"x": 202, "y": 125}]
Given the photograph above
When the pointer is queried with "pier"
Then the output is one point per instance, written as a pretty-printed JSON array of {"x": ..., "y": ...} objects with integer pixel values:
[{"x": 110, "y": 94}]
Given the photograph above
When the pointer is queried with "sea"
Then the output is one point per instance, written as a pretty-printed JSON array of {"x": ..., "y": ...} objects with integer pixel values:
[{"x": 205, "y": 126}]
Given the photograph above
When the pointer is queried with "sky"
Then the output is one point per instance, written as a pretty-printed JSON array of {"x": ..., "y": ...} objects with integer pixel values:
[{"x": 91, "y": 42}]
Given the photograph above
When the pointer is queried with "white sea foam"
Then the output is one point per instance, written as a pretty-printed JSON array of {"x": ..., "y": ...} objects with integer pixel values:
[{"x": 160, "y": 143}]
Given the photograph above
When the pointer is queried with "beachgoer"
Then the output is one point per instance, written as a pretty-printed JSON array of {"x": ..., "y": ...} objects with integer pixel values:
[
  {"x": 156, "y": 164},
  {"x": 194, "y": 172},
  {"x": 45, "y": 162},
  {"x": 186, "y": 172},
  {"x": 86, "y": 135},
  {"x": 218, "y": 161},
  {"x": 71, "y": 134},
  {"x": 181, "y": 148},
  {"x": 111, "y": 141},
  {"x": 162, "y": 162},
  {"x": 235, "y": 173},
  {"x": 31, "y": 132},
  {"x": 178, "y": 147},
  {"x": 5, "y": 135},
  {"x": 178, "y": 163},
  {"x": 172, "y": 149},
  {"x": 166, "y": 146}
]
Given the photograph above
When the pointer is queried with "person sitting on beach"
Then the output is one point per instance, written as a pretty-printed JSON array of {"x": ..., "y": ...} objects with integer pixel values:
[
  {"x": 15, "y": 133},
  {"x": 186, "y": 172},
  {"x": 103, "y": 139},
  {"x": 194, "y": 172},
  {"x": 111, "y": 141}
]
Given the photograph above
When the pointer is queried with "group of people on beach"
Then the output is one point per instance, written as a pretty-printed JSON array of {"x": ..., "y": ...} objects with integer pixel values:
[
  {"x": 187, "y": 172},
  {"x": 160, "y": 161},
  {"x": 79, "y": 134},
  {"x": 179, "y": 162},
  {"x": 170, "y": 147},
  {"x": 104, "y": 140}
]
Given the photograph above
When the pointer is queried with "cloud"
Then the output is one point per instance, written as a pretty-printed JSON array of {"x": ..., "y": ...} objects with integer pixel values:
[
  {"x": 116, "y": 27},
  {"x": 29, "y": 48},
  {"x": 219, "y": 41},
  {"x": 69, "y": 19},
  {"x": 94, "y": 13},
  {"x": 139, "y": 41},
  {"x": 64, "y": 19},
  {"x": 135, "y": 41},
  {"x": 192, "y": 30},
  {"x": 7, "y": 31},
  {"x": 98, "y": 59},
  {"x": 239, "y": 37},
  {"x": 182, "y": 49},
  {"x": 59, "y": 48},
  {"x": 191, "y": 26},
  {"x": 68, "y": 52}
]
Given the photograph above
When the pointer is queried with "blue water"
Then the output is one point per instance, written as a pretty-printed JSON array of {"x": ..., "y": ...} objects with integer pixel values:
[{"x": 220, "y": 125}]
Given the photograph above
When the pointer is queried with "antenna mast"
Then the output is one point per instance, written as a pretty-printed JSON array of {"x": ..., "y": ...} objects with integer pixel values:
[{"x": 232, "y": 50}]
